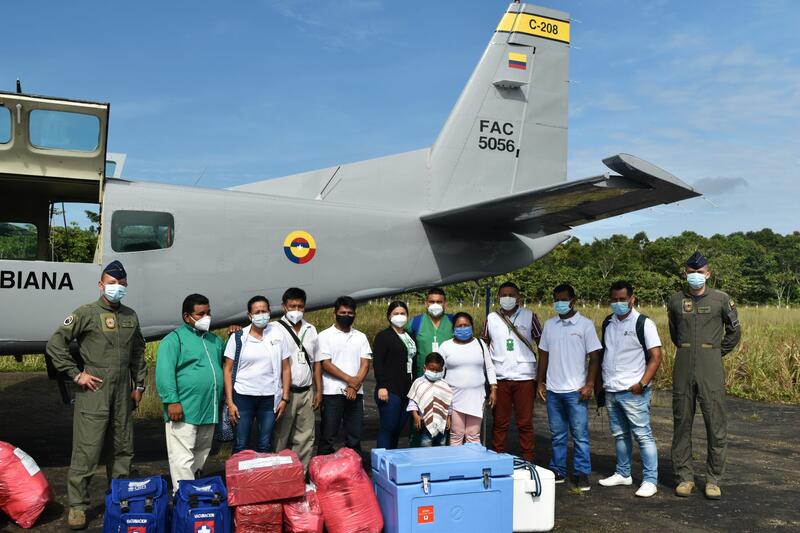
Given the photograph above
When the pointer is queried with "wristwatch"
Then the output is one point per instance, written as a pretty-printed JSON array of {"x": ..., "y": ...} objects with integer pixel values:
[
  {"x": 642, "y": 385},
  {"x": 140, "y": 388}
]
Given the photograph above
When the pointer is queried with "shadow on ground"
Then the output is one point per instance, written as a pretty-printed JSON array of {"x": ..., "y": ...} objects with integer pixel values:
[{"x": 760, "y": 489}]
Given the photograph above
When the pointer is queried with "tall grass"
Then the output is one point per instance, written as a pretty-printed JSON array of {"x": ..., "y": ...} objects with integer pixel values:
[{"x": 765, "y": 366}]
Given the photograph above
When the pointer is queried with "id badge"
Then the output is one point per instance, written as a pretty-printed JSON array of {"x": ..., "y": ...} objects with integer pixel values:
[
  {"x": 434, "y": 346},
  {"x": 409, "y": 365},
  {"x": 510, "y": 345},
  {"x": 301, "y": 357}
]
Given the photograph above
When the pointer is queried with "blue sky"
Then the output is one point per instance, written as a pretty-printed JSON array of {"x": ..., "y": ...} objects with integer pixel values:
[{"x": 239, "y": 92}]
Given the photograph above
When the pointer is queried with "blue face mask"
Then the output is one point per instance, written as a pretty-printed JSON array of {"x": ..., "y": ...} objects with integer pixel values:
[
  {"x": 620, "y": 308},
  {"x": 562, "y": 308},
  {"x": 114, "y": 292},
  {"x": 463, "y": 333},
  {"x": 696, "y": 280},
  {"x": 434, "y": 376}
]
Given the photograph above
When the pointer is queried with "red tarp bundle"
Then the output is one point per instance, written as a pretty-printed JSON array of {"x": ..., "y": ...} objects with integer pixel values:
[
  {"x": 24, "y": 491},
  {"x": 303, "y": 515},
  {"x": 259, "y": 518},
  {"x": 345, "y": 493},
  {"x": 254, "y": 477}
]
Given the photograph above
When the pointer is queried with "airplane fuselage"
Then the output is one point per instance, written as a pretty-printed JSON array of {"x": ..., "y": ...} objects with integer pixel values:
[{"x": 230, "y": 245}]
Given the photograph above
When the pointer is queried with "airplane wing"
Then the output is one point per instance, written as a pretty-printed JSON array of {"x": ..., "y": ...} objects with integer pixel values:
[{"x": 556, "y": 208}]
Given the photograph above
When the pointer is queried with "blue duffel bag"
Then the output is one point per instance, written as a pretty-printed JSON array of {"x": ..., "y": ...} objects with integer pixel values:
[
  {"x": 137, "y": 506},
  {"x": 201, "y": 506}
]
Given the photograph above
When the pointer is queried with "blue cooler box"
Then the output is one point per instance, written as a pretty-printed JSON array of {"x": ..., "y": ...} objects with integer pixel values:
[{"x": 449, "y": 488}]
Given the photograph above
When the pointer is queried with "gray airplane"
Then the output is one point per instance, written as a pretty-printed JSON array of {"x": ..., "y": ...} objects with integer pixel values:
[{"x": 490, "y": 196}]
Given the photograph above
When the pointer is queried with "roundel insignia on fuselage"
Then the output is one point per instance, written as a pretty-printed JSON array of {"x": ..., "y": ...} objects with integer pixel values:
[{"x": 299, "y": 247}]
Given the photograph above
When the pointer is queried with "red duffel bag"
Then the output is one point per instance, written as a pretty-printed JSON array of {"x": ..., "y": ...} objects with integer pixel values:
[
  {"x": 303, "y": 515},
  {"x": 259, "y": 518},
  {"x": 345, "y": 493},
  {"x": 24, "y": 491}
]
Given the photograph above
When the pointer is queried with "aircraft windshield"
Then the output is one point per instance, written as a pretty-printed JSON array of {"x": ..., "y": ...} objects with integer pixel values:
[
  {"x": 111, "y": 167},
  {"x": 5, "y": 125},
  {"x": 64, "y": 130}
]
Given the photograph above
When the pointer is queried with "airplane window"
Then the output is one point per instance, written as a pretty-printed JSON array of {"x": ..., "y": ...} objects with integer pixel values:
[
  {"x": 18, "y": 241},
  {"x": 5, "y": 125},
  {"x": 111, "y": 167},
  {"x": 139, "y": 231},
  {"x": 64, "y": 130}
]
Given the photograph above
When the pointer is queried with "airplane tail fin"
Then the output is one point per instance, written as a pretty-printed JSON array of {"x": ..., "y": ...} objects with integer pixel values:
[{"x": 508, "y": 131}]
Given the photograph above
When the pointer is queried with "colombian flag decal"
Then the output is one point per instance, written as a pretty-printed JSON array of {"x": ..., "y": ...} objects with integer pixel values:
[
  {"x": 519, "y": 61},
  {"x": 300, "y": 247}
]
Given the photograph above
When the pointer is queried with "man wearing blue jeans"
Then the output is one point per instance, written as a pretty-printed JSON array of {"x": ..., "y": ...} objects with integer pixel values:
[
  {"x": 631, "y": 356},
  {"x": 565, "y": 383}
]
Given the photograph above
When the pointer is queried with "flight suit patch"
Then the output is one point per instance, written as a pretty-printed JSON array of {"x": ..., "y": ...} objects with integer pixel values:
[
  {"x": 126, "y": 323},
  {"x": 69, "y": 320},
  {"x": 731, "y": 304},
  {"x": 110, "y": 322},
  {"x": 706, "y": 309},
  {"x": 688, "y": 305}
]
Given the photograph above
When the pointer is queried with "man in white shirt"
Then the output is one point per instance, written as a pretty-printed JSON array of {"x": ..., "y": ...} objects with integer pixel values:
[
  {"x": 345, "y": 354},
  {"x": 568, "y": 339},
  {"x": 631, "y": 357},
  {"x": 295, "y": 430},
  {"x": 511, "y": 334}
]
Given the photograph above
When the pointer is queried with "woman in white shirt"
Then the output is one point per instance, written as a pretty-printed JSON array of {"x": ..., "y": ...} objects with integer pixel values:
[
  {"x": 257, "y": 385},
  {"x": 469, "y": 369}
]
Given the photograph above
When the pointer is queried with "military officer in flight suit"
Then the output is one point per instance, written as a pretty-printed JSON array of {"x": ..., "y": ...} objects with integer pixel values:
[
  {"x": 704, "y": 326},
  {"x": 111, "y": 383}
]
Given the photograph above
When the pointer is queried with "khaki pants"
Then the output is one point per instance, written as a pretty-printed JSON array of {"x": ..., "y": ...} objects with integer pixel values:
[
  {"x": 295, "y": 429},
  {"x": 188, "y": 447}
]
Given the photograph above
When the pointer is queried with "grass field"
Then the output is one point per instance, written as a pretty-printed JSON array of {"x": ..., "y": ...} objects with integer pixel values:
[{"x": 765, "y": 366}]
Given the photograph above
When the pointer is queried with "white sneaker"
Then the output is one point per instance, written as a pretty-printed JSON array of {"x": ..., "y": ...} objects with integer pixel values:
[
  {"x": 615, "y": 480},
  {"x": 646, "y": 490}
]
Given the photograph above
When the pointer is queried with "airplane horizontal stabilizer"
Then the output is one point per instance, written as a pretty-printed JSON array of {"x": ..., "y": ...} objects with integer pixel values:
[{"x": 557, "y": 208}]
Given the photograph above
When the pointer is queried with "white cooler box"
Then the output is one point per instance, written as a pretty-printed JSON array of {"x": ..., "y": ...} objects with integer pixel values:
[{"x": 534, "y": 498}]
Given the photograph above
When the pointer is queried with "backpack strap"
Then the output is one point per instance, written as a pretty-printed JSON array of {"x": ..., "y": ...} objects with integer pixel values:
[
  {"x": 237, "y": 337},
  {"x": 416, "y": 323},
  {"x": 124, "y": 506},
  {"x": 606, "y": 322},
  {"x": 148, "y": 504},
  {"x": 640, "y": 321}
]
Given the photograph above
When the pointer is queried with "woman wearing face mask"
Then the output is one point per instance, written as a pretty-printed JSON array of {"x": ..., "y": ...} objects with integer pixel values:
[
  {"x": 393, "y": 353},
  {"x": 469, "y": 370},
  {"x": 257, "y": 376}
]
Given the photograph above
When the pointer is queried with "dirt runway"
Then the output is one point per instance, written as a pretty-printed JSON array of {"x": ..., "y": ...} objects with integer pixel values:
[{"x": 761, "y": 488}]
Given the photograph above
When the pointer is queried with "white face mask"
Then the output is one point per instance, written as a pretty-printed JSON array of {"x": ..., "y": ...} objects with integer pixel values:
[
  {"x": 508, "y": 303},
  {"x": 435, "y": 310},
  {"x": 202, "y": 324},
  {"x": 114, "y": 292},
  {"x": 294, "y": 316},
  {"x": 260, "y": 320},
  {"x": 398, "y": 321}
]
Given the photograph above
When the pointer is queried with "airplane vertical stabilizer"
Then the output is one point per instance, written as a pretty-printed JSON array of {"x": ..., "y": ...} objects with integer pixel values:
[{"x": 508, "y": 131}]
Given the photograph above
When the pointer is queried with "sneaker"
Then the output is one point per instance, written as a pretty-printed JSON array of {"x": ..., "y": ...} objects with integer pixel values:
[
  {"x": 559, "y": 477},
  {"x": 684, "y": 489},
  {"x": 616, "y": 479},
  {"x": 646, "y": 490},
  {"x": 713, "y": 491},
  {"x": 581, "y": 482},
  {"x": 76, "y": 519}
]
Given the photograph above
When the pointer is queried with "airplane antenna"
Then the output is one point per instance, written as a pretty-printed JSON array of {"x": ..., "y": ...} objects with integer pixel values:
[
  {"x": 19, "y": 87},
  {"x": 203, "y": 173}
]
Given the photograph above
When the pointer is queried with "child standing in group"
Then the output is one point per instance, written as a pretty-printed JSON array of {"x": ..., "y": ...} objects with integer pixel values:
[{"x": 430, "y": 402}]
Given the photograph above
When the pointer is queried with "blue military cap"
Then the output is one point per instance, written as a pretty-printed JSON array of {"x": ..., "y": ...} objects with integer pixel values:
[
  {"x": 696, "y": 260},
  {"x": 115, "y": 270}
]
